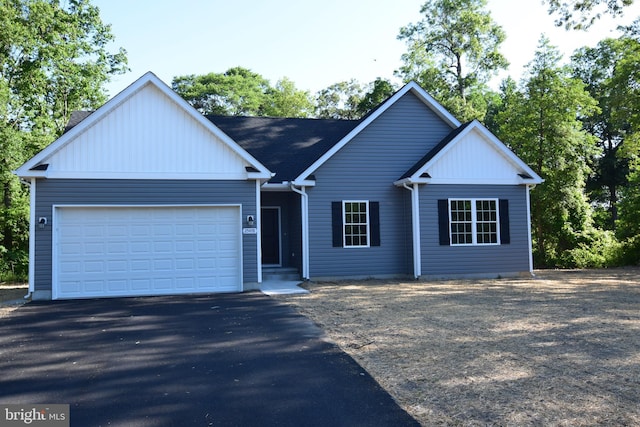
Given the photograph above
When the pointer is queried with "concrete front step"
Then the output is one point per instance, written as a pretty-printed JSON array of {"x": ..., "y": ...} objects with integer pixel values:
[{"x": 279, "y": 273}]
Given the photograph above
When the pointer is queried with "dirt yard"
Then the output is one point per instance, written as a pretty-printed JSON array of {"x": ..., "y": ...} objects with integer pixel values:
[
  {"x": 11, "y": 296},
  {"x": 559, "y": 350}
]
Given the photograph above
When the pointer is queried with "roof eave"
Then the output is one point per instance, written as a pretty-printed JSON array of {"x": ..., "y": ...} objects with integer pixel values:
[
  {"x": 29, "y": 173},
  {"x": 411, "y": 181},
  {"x": 304, "y": 182}
]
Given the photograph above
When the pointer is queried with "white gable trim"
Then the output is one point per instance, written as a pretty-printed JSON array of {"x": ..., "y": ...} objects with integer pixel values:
[
  {"x": 519, "y": 166},
  {"x": 260, "y": 173},
  {"x": 412, "y": 87}
]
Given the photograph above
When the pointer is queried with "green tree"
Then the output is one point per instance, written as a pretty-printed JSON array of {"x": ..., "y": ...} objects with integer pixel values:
[
  {"x": 581, "y": 14},
  {"x": 236, "y": 92},
  {"x": 453, "y": 52},
  {"x": 540, "y": 121},
  {"x": 241, "y": 92},
  {"x": 379, "y": 90},
  {"x": 285, "y": 100},
  {"x": 599, "y": 68},
  {"x": 340, "y": 100},
  {"x": 627, "y": 76},
  {"x": 53, "y": 60}
]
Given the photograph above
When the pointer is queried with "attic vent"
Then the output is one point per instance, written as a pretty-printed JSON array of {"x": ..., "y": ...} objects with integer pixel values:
[
  {"x": 42, "y": 167},
  {"x": 425, "y": 175}
]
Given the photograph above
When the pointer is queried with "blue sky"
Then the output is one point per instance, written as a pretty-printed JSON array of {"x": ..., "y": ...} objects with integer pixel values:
[{"x": 315, "y": 44}]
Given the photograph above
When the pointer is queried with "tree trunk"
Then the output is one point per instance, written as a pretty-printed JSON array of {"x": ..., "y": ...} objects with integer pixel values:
[
  {"x": 459, "y": 76},
  {"x": 613, "y": 205}
]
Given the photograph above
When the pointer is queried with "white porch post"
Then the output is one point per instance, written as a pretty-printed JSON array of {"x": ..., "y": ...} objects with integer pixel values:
[
  {"x": 304, "y": 208},
  {"x": 32, "y": 236},
  {"x": 415, "y": 223}
]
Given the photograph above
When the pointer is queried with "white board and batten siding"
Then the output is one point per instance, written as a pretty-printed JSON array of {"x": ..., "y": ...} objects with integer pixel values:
[
  {"x": 146, "y": 136},
  {"x": 473, "y": 160},
  {"x": 115, "y": 251}
]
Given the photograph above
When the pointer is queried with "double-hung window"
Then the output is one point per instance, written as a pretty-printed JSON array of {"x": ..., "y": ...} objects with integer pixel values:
[
  {"x": 356, "y": 223},
  {"x": 474, "y": 222}
]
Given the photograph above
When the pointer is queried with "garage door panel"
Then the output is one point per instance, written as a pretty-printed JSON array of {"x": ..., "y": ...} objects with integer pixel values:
[
  {"x": 129, "y": 251},
  {"x": 184, "y": 246},
  {"x": 184, "y": 264},
  {"x": 119, "y": 247},
  {"x": 117, "y": 231},
  {"x": 141, "y": 285}
]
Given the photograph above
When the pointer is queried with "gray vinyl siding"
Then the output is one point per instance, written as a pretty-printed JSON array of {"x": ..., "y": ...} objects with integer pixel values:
[
  {"x": 365, "y": 169},
  {"x": 138, "y": 192},
  {"x": 450, "y": 261}
]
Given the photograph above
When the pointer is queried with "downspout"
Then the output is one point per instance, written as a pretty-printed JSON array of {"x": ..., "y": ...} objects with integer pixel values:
[
  {"x": 32, "y": 234},
  {"x": 528, "y": 188},
  {"x": 415, "y": 225},
  {"x": 304, "y": 207}
]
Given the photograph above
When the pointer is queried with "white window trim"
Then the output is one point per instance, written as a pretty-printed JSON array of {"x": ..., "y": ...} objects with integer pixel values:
[
  {"x": 474, "y": 229},
  {"x": 344, "y": 224}
]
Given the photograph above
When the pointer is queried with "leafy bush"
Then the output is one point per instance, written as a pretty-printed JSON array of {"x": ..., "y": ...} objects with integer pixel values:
[
  {"x": 629, "y": 253},
  {"x": 596, "y": 249}
]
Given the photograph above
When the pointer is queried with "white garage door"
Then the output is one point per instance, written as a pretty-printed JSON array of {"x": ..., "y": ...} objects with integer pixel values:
[{"x": 136, "y": 251}]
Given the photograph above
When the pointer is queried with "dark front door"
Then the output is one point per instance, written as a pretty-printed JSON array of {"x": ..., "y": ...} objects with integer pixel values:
[{"x": 270, "y": 236}]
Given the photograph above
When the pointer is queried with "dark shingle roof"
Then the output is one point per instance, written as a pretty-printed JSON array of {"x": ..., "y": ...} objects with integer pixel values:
[
  {"x": 76, "y": 117},
  {"x": 435, "y": 150},
  {"x": 286, "y": 146}
]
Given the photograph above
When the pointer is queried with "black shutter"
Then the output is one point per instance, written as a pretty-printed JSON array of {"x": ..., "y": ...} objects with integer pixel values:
[
  {"x": 374, "y": 226},
  {"x": 443, "y": 221},
  {"x": 505, "y": 235},
  {"x": 336, "y": 224}
]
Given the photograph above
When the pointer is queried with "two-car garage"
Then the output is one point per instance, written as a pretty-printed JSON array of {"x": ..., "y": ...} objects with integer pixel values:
[
  {"x": 112, "y": 251},
  {"x": 142, "y": 197}
]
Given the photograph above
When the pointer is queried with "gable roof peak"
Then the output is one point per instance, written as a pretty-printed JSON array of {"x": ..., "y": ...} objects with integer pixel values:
[
  {"x": 148, "y": 78},
  {"x": 458, "y": 136},
  {"x": 412, "y": 87}
]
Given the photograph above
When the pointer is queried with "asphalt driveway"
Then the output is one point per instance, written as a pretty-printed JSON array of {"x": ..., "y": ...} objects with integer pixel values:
[{"x": 215, "y": 360}]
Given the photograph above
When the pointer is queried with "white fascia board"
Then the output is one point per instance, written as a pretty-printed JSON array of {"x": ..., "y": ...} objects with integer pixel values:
[
  {"x": 411, "y": 181},
  {"x": 468, "y": 181},
  {"x": 147, "y": 78},
  {"x": 427, "y": 99},
  {"x": 30, "y": 173},
  {"x": 144, "y": 175},
  {"x": 260, "y": 176},
  {"x": 402, "y": 182},
  {"x": 499, "y": 145},
  {"x": 280, "y": 186},
  {"x": 304, "y": 182}
]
